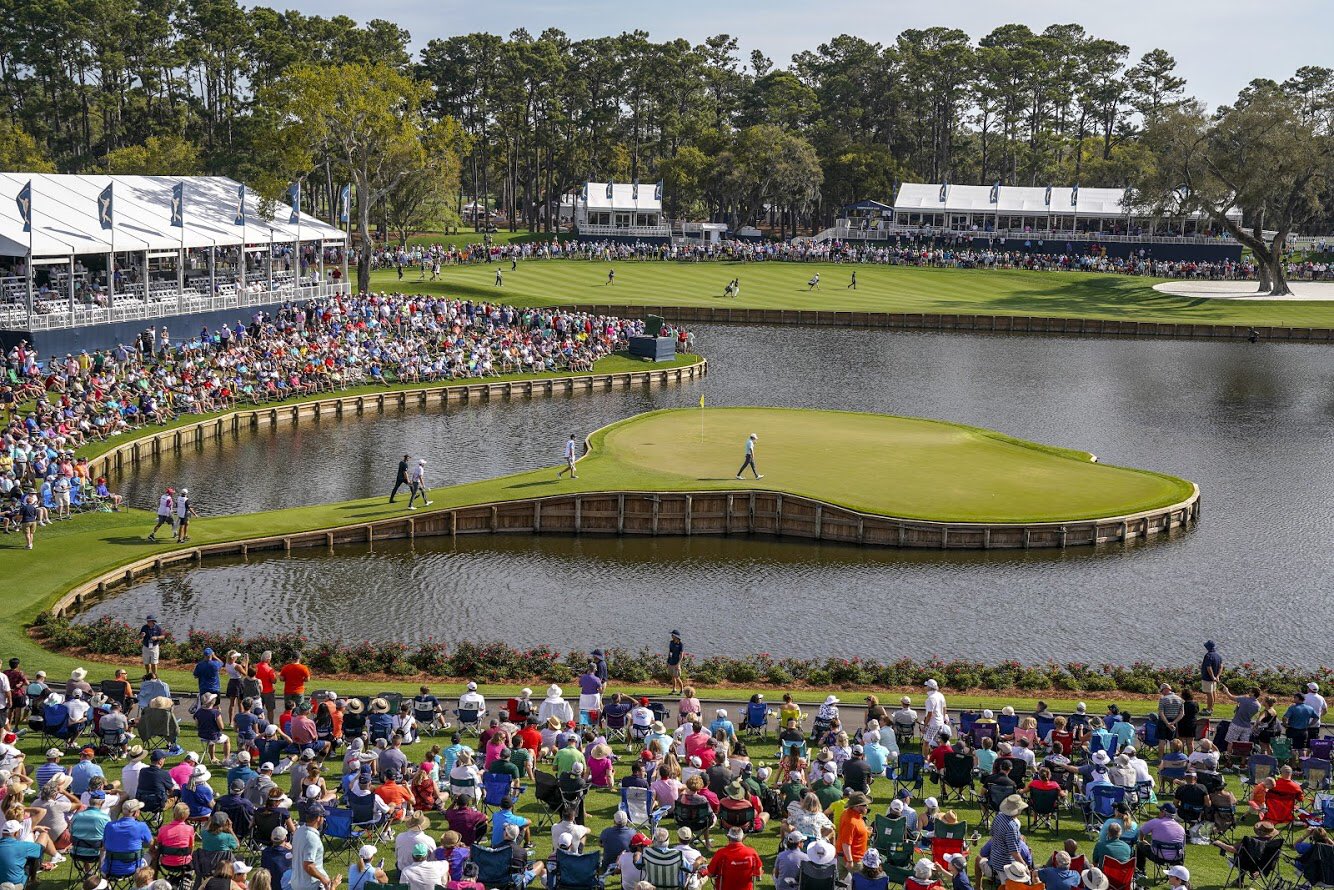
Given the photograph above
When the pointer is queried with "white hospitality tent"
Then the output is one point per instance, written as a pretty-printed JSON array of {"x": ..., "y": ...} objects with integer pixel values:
[
  {"x": 66, "y": 224},
  {"x": 620, "y": 208}
]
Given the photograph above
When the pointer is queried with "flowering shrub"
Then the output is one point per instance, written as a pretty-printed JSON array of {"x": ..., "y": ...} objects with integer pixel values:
[{"x": 500, "y": 662}]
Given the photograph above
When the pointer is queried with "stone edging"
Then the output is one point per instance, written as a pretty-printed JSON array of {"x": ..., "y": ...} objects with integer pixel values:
[
  {"x": 988, "y": 324},
  {"x": 675, "y": 513},
  {"x": 150, "y": 444}
]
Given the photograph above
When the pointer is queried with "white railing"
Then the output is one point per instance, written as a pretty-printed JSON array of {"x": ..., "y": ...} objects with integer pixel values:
[
  {"x": 627, "y": 231},
  {"x": 50, "y": 313},
  {"x": 843, "y": 231}
]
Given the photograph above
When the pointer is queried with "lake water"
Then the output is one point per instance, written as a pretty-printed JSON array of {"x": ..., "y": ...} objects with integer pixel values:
[{"x": 1253, "y": 425}]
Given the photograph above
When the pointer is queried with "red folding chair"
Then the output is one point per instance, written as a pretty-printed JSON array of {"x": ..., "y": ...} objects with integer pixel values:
[
  {"x": 1063, "y": 740},
  {"x": 1120, "y": 875},
  {"x": 1281, "y": 809}
]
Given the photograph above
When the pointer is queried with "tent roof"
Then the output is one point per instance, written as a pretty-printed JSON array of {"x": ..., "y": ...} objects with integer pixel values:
[
  {"x": 64, "y": 215},
  {"x": 865, "y": 204},
  {"x": 1092, "y": 202},
  {"x": 622, "y": 196}
]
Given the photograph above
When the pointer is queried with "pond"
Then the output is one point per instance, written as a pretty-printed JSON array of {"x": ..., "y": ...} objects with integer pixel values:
[{"x": 1251, "y": 424}]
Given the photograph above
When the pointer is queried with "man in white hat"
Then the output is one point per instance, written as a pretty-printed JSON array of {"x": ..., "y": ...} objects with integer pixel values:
[
  {"x": 1007, "y": 839},
  {"x": 417, "y": 484},
  {"x": 15, "y": 854},
  {"x": 750, "y": 458},
  {"x": 1017, "y": 872},
  {"x": 933, "y": 715},
  {"x": 1178, "y": 876},
  {"x": 1315, "y": 701}
]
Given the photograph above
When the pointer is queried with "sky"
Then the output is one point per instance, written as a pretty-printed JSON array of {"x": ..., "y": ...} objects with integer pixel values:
[{"x": 1219, "y": 45}]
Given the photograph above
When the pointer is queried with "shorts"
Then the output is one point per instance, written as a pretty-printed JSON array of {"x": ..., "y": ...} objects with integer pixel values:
[
  {"x": 1166, "y": 733},
  {"x": 1209, "y": 686},
  {"x": 151, "y": 654},
  {"x": 27, "y": 525},
  {"x": 233, "y": 688},
  {"x": 1298, "y": 736},
  {"x": 674, "y": 670},
  {"x": 269, "y": 699},
  {"x": 294, "y": 699},
  {"x": 62, "y": 499},
  {"x": 931, "y": 734},
  {"x": 1238, "y": 732}
]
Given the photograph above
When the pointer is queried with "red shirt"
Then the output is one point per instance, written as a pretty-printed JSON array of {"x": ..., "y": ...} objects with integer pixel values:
[
  {"x": 937, "y": 756},
  {"x": 530, "y": 738},
  {"x": 735, "y": 867},
  {"x": 264, "y": 672},
  {"x": 294, "y": 678}
]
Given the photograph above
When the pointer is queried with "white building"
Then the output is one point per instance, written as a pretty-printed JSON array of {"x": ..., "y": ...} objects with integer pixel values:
[
  {"x": 224, "y": 255},
  {"x": 621, "y": 210}
]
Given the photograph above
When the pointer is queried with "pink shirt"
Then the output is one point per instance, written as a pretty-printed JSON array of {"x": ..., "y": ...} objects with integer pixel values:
[
  {"x": 176, "y": 834},
  {"x": 493, "y": 753},
  {"x": 180, "y": 773},
  {"x": 599, "y": 771}
]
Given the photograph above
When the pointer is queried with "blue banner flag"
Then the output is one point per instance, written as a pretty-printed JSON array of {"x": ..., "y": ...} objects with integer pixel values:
[
  {"x": 1074, "y": 196},
  {"x": 178, "y": 205},
  {"x": 106, "y": 210},
  {"x": 995, "y": 193},
  {"x": 345, "y": 204},
  {"x": 240, "y": 205},
  {"x": 1046, "y": 199},
  {"x": 608, "y": 191},
  {"x": 944, "y": 187},
  {"x": 657, "y": 191},
  {"x": 294, "y": 198},
  {"x": 24, "y": 200}
]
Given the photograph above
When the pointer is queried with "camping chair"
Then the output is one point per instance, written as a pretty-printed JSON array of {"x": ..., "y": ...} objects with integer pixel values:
[
  {"x": 1237, "y": 753},
  {"x": 1149, "y": 732},
  {"x": 1077, "y": 721},
  {"x": 470, "y": 719},
  {"x": 547, "y": 792},
  {"x": 495, "y": 866},
  {"x": 740, "y": 817},
  {"x": 1317, "y": 866},
  {"x": 817, "y": 877},
  {"x": 948, "y": 840},
  {"x": 1102, "y": 741},
  {"x": 664, "y": 869},
  {"x": 967, "y": 720},
  {"x": 957, "y": 777},
  {"x": 1102, "y": 804},
  {"x": 757, "y": 720},
  {"x": 1064, "y": 742},
  {"x": 985, "y": 731},
  {"x": 114, "y": 690},
  {"x": 1281, "y": 809},
  {"x": 366, "y": 819},
  {"x": 495, "y": 788},
  {"x": 617, "y": 726},
  {"x": 113, "y": 741},
  {"x": 639, "y": 809},
  {"x": 1225, "y": 822},
  {"x": 1045, "y": 726},
  {"x": 1006, "y": 724},
  {"x": 890, "y": 837},
  {"x": 1322, "y": 748},
  {"x": 338, "y": 833},
  {"x": 1260, "y": 767},
  {"x": 1163, "y": 855},
  {"x": 55, "y": 725},
  {"x": 908, "y": 772},
  {"x": 463, "y": 787},
  {"x": 1044, "y": 808},
  {"x": 85, "y": 854},
  {"x": 1315, "y": 774},
  {"x": 793, "y": 747},
  {"x": 424, "y": 713},
  {"x": 1120, "y": 875},
  {"x": 905, "y": 735},
  {"x": 1281, "y": 748},
  {"x": 991, "y": 800},
  {"x": 698, "y": 817},
  {"x": 576, "y": 871},
  {"x": 1256, "y": 858},
  {"x": 158, "y": 728}
]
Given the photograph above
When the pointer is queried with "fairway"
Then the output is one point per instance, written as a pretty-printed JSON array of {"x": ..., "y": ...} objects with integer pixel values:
[
  {"x": 894, "y": 466},
  {"x": 782, "y": 285}
]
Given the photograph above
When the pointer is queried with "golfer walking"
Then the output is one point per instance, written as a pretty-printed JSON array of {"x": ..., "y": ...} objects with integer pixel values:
[
  {"x": 814, "y": 283},
  {"x": 401, "y": 480},
  {"x": 570, "y": 454},
  {"x": 417, "y": 484},
  {"x": 750, "y": 458}
]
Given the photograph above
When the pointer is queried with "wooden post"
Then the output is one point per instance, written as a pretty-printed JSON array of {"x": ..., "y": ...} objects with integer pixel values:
[
  {"x": 689, "y": 508},
  {"x": 620, "y": 514},
  {"x": 537, "y": 517},
  {"x": 578, "y": 514}
]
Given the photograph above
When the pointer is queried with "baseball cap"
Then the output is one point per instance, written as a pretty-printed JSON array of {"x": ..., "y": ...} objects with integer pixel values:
[
  {"x": 565, "y": 840},
  {"x": 795, "y": 837},
  {"x": 932, "y": 684},
  {"x": 12, "y": 826},
  {"x": 366, "y": 852},
  {"x": 419, "y": 851},
  {"x": 1180, "y": 872}
]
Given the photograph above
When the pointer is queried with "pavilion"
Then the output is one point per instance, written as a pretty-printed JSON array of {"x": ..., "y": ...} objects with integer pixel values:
[{"x": 621, "y": 210}]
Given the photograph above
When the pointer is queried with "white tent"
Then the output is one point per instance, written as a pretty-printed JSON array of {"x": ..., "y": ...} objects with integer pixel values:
[
  {"x": 623, "y": 197},
  {"x": 1093, "y": 203},
  {"x": 65, "y": 215}
]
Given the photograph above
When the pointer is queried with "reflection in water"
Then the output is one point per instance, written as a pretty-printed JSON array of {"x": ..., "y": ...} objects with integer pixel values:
[{"x": 1250, "y": 424}]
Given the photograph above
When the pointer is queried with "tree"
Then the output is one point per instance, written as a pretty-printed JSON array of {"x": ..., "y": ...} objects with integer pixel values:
[
  {"x": 19, "y": 151},
  {"x": 156, "y": 156},
  {"x": 422, "y": 201},
  {"x": 370, "y": 118},
  {"x": 1262, "y": 155},
  {"x": 1153, "y": 83}
]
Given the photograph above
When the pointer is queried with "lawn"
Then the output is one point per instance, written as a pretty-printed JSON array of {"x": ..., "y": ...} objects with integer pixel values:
[{"x": 779, "y": 285}]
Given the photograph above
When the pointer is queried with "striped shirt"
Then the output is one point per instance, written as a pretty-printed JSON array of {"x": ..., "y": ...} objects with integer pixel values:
[
  {"x": 1171, "y": 706},
  {"x": 1005, "y": 841}
]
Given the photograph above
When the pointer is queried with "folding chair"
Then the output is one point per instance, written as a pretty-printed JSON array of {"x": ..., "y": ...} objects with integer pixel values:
[
  {"x": 639, "y": 809},
  {"x": 908, "y": 772},
  {"x": 1063, "y": 742},
  {"x": 1120, "y": 875},
  {"x": 85, "y": 854},
  {"x": 957, "y": 777},
  {"x": 1006, "y": 724},
  {"x": 948, "y": 840},
  {"x": 698, "y": 817},
  {"x": 470, "y": 719},
  {"x": 1322, "y": 748},
  {"x": 1317, "y": 867},
  {"x": 114, "y": 741},
  {"x": 547, "y": 792},
  {"x": 495, "y": 788},
  {"x": 1256, "y": 858},
  {"x": 616, "y": 726},
  {"x": 1102, "y": 804},
  {"x": 991, "y": 800},
  {"x": 791, "y": 747},
  {"x": 664, "y": 869},
  {"x": 424, "y": 712},
  {"x": 1225, "y": 822},
  {"x": 113, "y": 690},
  {"x": 1149, "y": 732},
  {"x": 1044, "y": 808},
  {"x": 817, "y": 877},
  {"x": 1260, "y": 767},
  {"x": 576, "y": 871},
  {"x": 757, "y": 720},
  {"x": 1281, "y": 809},
  {"x": 967, "y": 720},
  {"x": 1281, "y": 748},
  {"x": 1237, "y": 754},
  {"x": 495, "y": 867},
  {"x": 985, "y": 731},
  {"x": 1102, "y": 741},
  {"x": 1315, "y": 774},
  {"x": 338, "y": 834},
  {"x": 1045, "y": 726},
  {"x": 393, "y": 698}
]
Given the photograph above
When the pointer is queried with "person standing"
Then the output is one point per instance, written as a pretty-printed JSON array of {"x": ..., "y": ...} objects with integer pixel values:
[
  {"x": 308, "y": 852},
  {"x": 675, "y": 650},
  {"x": 750, "y": 458},
  {"x": 500, "y": 281},
  {"x": 165, "y": 513},
  {"x": 852, "y": 285},
  {"x": 611, "y": 276},
  {"x": 417, "y": 484},
  {"x": 1171, "y": 708},
  {"x": 401, "y": 478},
  {"x": 933, "y": 715},
  {"x": 1211, "y": 668},
  {"x": 570, "y": 450},
  {"x": 28, "y": 515},
  {"x": 184, "y": 510},
  {"x": 152, "y": 635}
]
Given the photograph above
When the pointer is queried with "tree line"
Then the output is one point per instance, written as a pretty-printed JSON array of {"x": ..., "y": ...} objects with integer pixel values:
[{"x": 518, "y": 121}]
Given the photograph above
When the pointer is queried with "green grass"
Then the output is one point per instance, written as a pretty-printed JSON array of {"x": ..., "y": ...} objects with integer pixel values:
[
  {"x": 1208, "y": 869},
  {"x": 879, "y": 288}
]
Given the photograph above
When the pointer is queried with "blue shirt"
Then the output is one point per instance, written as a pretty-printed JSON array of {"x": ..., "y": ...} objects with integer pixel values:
[
  {"x": 206, "y": 672},
  {"x": 48, "y": 771},
  {"x": 125, "y": 836},
  {"x": 81, "y": 773},
  {"x": 876, "y": 758},
  {"x": 199, "y": 799},
  {"x": 244, "y": 773},
  {"x": 1059, "y": 879},
  {"x": 674, "y": 649},
  {"x": 14, "y": 856},
  {"x": 1300, "y": 716},
  {"x": 1211, "y": 666},
  {"x": 500, "y": 820}
]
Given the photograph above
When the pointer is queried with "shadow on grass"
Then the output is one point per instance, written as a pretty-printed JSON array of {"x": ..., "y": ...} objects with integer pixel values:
[
  {"x": 140, "y": 540},
  {"x": 535, "y": 484}
]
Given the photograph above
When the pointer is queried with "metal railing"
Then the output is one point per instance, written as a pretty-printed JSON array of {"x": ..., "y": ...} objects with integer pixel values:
[
  {"x": 52, "y": 313},
  {"x": 627, "y": 231},
  {"x": 843, "y": 231}
]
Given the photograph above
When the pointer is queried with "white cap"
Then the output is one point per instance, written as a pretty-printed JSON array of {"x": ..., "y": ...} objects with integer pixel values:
[
  {"x": 185, "y": 491},
  {"x": 1313, "y": 687},
  {"x": 472, "y": 687},
  {"x": 1180, "y": 872},
  {"x": 565, "y": 840},
  {"x": 831, "y": 699},
  {"x": 422, "y": 462},
  {"x": 13, "y": 827},
  {"x": 721, "y": 712},
  {"x": 239, "y": 867},
  {"x": 932, "y": 684},
  {"x": 367, "y": 852}
]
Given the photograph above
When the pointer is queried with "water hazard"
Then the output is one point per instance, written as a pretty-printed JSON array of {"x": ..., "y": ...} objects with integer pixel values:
[{"x": 1253, "y": 425}]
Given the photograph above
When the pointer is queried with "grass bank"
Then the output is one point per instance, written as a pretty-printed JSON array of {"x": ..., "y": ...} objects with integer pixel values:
[{"x": 776, "y": 285}]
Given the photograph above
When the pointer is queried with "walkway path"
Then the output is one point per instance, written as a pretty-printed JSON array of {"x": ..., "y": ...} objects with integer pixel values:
[{"x": 1245, "y": 290}]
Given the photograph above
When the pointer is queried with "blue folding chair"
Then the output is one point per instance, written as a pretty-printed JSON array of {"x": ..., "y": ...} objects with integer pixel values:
[
  {"x": 338, "y": 834},
  {"x": 638, "y": 806},
  {"x": 1007, "y": 723},
  {"x": 575, "y": 871},
  {"x": 495, "y": 866},
  {"x": 1102, "y": 741},
  {"x": 966, "y": 721},
  {"x": 1077, "y": 721},
  {"x": 794, "y": 747},
  {"x": 1103, "y": 801},
  {"x": 1149, "y": 732},
  {"x": 757, "y": 719},
  {"x": 908, "y": 772},
  {"x": 1260, "y": 767},
  {"x": 495, "y": 788},
  {"x": 1045, "y": 726}
]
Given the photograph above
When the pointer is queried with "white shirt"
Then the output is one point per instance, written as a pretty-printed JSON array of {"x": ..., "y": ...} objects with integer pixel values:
[
  {"x": 577, "y": 831},
  {"x": 935, "y": 708},
  {"x": 1316, "y": 702},
  {"x": 164, "y": 505},
  {"x": 426, "y": 875},
  {"x": 629, "y": 874},
  {"x": 129, "y": 778},
  {"x": 1141, "y": 769},
  {"x": 558, "y": 708},
  {"x": 404, "y": 843},
  {"x": 689, "y": 854},
  {"x": 472, "y": 700},
  {"x": 78, "y": 710},
  {"x": 641, "y": 716},
  {"x": 182, "y": 507}
]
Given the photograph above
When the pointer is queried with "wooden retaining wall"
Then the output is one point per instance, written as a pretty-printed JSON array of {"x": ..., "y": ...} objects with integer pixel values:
[
  {"x": 678, "y": 513},
  {"x": 149, "y": 444},
  {"x": 989, "y": 324}
]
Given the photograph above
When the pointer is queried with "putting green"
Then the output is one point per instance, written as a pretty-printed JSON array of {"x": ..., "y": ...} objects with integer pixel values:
[{"x": 905, "y": 467}]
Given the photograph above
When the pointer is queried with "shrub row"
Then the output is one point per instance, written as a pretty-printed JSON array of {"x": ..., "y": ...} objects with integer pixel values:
[{"x": 497, "y": 662}]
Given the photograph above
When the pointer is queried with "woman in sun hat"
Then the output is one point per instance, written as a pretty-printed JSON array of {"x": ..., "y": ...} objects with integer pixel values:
[
  {"x": 1016, "y": 875},
  {"x": 555, "y": 705},
  {"x": 1094, "y": 879}
]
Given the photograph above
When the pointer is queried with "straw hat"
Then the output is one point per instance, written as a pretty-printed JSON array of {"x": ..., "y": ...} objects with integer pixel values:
[
  {"x": 135, "y": 752},
  {"x": 159, "y": 701},
  {"x": 1013, "y": 806},
  {"x": 553, "y": 723},
  {"x": 379, "y": 706},
  {"x": 356, "y": 706},
  {"x": 1094, "y": 879},
  {"x": 78, "y": 674}
]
